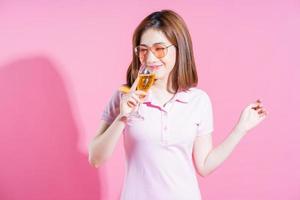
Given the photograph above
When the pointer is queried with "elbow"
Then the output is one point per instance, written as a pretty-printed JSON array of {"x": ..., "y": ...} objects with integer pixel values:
[
  {"x": 96, "y": 162},
  {"x": 93, "y": 161},
  {"x": 96, "y": 157},
  {"x": 203, "y": 172}
]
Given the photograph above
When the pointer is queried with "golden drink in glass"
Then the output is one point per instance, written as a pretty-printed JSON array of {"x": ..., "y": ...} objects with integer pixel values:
[
  {"x": 145, "y": 81},
  {"x": 146, "y": 78}
]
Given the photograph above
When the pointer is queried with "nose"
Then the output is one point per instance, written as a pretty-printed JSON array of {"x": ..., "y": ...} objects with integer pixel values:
[{"x": 151, "y": 58}]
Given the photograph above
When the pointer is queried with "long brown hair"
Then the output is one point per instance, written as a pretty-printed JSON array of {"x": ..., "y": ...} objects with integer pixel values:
[{"x": 184, "y": 74}]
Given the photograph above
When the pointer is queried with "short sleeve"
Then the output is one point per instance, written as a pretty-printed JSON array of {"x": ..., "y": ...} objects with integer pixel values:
[
  {"x": 205, "y": 116},
  {"x": 112, "y": 108}
]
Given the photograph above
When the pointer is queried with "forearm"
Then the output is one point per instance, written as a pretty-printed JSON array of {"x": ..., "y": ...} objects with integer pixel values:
[
  {"x": 221, "y": 152},
  {"x": 103, "y": 145}
]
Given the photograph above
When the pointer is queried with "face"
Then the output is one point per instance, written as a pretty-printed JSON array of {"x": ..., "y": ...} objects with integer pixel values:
[{"x": 164, "y": 65}]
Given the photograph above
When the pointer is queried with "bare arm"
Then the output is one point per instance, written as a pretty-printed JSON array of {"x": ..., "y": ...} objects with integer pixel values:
[
  {"x": 103, "y": 144},
  {"x": 207, "y": 158}
]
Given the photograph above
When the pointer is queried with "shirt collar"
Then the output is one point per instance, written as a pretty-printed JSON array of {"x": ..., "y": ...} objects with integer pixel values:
[{"x": 181, "y": 96}]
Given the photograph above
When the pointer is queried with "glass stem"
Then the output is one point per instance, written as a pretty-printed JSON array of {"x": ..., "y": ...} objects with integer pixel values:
[{"x": 138, "y": 109}]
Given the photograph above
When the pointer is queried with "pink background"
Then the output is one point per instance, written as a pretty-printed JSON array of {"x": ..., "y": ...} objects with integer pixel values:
[{"x": 61, "y": 61}]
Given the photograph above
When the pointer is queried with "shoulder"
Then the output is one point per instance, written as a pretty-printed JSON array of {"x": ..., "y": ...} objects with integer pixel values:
[
  {"x": 200, "y": 101},
  {"x": 198, "y": 91},
  {"x": 196, "y": 94},
  {"x": 116, "y": 97}
]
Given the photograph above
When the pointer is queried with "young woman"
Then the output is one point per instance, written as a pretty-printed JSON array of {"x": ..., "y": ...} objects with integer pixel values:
[{"x": 174, "y": 141}]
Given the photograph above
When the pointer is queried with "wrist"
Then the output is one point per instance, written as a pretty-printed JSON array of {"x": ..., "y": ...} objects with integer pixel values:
[
  {"x": 239, "y": 131},
  {"x": 122, "y": 117}
]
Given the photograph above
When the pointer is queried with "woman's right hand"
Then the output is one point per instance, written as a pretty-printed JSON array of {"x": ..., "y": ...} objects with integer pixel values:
[{"x": 131, "y": 99}]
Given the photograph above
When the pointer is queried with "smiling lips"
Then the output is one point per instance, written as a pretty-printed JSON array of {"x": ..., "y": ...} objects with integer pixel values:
[{"x": 155, "y": 67}]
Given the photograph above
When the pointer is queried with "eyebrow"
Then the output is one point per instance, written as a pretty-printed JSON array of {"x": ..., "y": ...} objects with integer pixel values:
[{"x": 154, "y": 43}]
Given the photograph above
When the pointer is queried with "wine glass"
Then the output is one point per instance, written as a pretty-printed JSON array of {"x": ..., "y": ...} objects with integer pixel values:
[{"x": 146, "y": 79}]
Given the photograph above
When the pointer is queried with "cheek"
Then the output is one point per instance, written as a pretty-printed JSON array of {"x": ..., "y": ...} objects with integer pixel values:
[
  {"x": 142, "y": 60},
  {"x": 171, "y": 58},
  {"x": 169, "y": 62},
  {"x": 166, "y": 69}
]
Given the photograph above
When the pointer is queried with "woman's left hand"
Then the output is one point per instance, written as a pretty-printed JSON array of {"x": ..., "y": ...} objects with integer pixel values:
[{"x": 251, "y": 116}]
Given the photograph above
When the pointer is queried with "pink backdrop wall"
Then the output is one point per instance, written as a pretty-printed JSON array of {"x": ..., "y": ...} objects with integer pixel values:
[{"x": 61, "y": 61}]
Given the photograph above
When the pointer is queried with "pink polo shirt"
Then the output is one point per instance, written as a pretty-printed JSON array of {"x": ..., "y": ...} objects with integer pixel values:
[{"x": 159, "y": 149}]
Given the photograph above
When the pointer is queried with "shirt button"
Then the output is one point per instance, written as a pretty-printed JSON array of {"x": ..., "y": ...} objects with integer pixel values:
[{"x": 165, "y": 128}]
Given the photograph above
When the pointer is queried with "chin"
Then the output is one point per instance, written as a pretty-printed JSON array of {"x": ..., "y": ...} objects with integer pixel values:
[
  {"x": 159, "y": 78},
  {"x": 160, "y": 74}
]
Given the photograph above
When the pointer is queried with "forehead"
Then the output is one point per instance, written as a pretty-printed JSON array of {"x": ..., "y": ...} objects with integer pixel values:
[{"x": 152, "y": 36}]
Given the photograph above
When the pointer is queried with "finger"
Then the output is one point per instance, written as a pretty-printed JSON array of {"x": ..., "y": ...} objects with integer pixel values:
[
  {"x": 134, "y": 85},
  {"x": 135, "y": 98},
  {"x": 260, "y": 108},
  {"x": 131, "y": 104},
  {"x": 256, "y": 106},
  {"x": 252, "y": 106},
  {"x": 258, "y": 101},
  {"x": 260, "y": 111},
  {"x": 262, "y": 114},
  {"x": 141, "y": 94}
]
